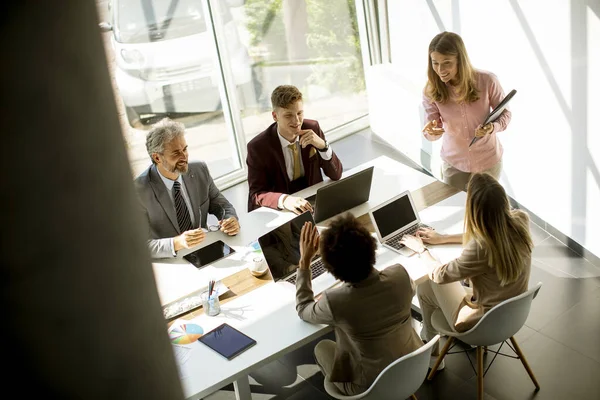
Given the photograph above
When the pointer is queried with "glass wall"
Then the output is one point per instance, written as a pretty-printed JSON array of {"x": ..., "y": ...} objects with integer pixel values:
[
  {"x": 311, "y": 44},
  {"x": 212, "y": 64}
]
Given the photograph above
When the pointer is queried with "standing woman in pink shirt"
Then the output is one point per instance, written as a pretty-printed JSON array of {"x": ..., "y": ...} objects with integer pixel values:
[{"x": 457, "y": 99}]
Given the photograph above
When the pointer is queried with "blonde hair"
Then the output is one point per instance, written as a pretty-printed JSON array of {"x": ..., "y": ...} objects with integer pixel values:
[
  {"x": 450, "y": 44},
  {"x": 285, "y": 95},
  {"x": 503, "y": 233}
]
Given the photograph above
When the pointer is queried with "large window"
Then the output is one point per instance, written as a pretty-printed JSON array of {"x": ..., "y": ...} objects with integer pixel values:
[{"x": 212, "y": 64}]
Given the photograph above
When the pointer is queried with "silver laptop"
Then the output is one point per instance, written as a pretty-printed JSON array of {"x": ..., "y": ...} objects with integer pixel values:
[
  {"x": 342, "y": 195},
  {"x": 281, "y": 249},
  {"x": 395, "y": 218}
]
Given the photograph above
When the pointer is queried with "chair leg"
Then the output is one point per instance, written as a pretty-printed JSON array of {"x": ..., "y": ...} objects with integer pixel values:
[
  {"x": 479, "y": 373},
  {"x": 525, "y": 364},
  {"x": 485, "y": 350},
  {"x": 440, "y": 357},
  {"x": 413, "y": 397}
]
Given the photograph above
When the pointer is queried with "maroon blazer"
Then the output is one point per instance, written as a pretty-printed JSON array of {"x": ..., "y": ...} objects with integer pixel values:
[{"x": 267, "y": 176}]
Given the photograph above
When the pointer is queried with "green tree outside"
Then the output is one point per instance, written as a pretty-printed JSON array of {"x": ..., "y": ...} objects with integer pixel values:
[{"x": 332, "y": 38}]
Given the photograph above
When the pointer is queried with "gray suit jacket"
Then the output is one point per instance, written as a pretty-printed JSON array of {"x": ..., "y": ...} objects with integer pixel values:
[
  {"x": 372, "y": 321},
  {"x": 160, "y": 210}
]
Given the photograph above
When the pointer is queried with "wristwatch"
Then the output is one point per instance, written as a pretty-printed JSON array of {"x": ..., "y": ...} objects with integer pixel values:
[{"x": 324, "y": 149}]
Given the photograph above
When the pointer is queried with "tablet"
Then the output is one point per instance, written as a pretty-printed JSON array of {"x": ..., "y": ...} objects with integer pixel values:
[
  {"x": 209, "y": 254},
  {"x": 227, "y": 341},
  {"x": 495, "y": 113},
  {"x": 499, "y": 108}
]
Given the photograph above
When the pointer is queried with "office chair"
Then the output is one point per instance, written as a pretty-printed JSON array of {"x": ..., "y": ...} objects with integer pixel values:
[
  {"x": 399, "y": 380},
  {"x": 498, "y": 325}
]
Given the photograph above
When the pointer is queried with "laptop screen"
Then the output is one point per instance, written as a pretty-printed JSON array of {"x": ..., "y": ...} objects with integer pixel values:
[
  {"x": 395, "y": 215},
  {"x": 343, "y": 195},
  {"x": 281, "y": 246}
]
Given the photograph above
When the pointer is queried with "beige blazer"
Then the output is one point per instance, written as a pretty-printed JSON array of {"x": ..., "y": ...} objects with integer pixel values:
[
  {"x": 372, "y": 321},
  {"x": 487, "y": 292}
]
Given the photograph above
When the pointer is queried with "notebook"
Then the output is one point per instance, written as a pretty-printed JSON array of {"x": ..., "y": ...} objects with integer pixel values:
[
  {"x": 281, "y": 249},
  {"x": 341, "y": 195},
  {"x": 395, "y": 218}
]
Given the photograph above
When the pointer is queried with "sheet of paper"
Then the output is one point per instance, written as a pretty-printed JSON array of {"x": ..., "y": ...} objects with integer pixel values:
[
  {"x": 182, "y": 355},
  {"x": 174, "y": 281}
]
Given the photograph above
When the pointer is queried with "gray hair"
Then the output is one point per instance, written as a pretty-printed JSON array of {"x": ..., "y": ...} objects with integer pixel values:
[{"x": 162, "y": 132}]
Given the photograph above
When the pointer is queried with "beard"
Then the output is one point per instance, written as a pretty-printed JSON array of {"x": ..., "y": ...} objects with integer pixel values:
[{"x": 180, "y": 168}]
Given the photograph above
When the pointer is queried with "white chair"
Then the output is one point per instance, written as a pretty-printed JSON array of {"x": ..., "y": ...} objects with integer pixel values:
[
  {"x": 399, "y": 380},
  {"x": 498, "y": 325}
]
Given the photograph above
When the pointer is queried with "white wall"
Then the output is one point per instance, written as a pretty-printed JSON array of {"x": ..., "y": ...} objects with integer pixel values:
[{"x": 549, "y": 51}]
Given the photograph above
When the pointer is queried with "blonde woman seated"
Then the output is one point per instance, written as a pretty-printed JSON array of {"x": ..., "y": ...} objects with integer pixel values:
[{"x": 496, "y": 259}]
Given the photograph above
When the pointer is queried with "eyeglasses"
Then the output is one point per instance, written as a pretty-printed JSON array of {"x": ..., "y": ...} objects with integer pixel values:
[
  {"x": 219, "y": 214},
  {"x": 213, "y": 228}
]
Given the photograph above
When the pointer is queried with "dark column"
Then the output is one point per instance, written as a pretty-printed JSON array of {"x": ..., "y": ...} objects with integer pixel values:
[{"x": 81, "y": 317}]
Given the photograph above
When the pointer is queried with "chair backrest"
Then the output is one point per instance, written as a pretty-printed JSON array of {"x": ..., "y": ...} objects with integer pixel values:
[
  {"x": 404, "y": 376},
  {"x": 502, "y": 321}
]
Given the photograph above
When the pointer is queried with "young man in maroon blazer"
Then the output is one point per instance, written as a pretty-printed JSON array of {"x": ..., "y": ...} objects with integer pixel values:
[{"x": 288, "y": 156}]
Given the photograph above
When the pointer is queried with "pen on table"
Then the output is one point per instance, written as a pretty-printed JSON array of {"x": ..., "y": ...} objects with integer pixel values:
[{"x": 211, "y": 285}]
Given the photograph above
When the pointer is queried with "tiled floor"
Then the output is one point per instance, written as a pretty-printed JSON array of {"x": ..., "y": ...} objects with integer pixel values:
[{"x": 561, "y": 338}]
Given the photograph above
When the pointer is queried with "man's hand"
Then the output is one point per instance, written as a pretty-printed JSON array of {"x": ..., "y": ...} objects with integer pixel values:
[
  {"x": 309, "y": 244},
  {"x": 230, "y": 226},
  {"x": 308, "y": 136},
  {"x": 188, "y": 239},
  {"x": 484, "y": 130},
  {"x": 429, "y": 236},
  {"x": 296, "y": 204},
  {"x": 432, "y": 129},
  {"x": 414, "y": 243}
]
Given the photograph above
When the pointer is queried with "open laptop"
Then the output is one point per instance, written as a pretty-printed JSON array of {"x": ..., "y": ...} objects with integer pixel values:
[
  {"x": 342, "y": 195},
  {"x": 395, "y": 218},
  {"x": 281, "y": 249}
]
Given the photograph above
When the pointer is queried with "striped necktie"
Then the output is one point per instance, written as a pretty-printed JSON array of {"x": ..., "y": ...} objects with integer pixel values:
[{"x": 183, "y": 214}]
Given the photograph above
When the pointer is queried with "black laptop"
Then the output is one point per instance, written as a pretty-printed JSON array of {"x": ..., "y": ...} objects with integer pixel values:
[{"x": 342, "y": 195}]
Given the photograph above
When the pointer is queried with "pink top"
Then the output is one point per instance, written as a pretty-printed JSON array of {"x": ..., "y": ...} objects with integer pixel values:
[{"x": 460, "y": 120}]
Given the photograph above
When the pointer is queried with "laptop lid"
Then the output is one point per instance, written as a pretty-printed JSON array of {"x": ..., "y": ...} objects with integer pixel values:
[
  {"x": 395, "y": 215},
  {"x": 343, "y": 195},
  {"x": 281, "y": 246}
]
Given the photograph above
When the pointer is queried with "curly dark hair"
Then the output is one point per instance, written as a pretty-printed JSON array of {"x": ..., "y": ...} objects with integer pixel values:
[{"x": 348, "y": 249}]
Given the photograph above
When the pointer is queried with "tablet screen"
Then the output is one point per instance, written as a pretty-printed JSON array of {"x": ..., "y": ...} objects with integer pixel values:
[
  {"x": 209, "y": 254},
  {"x": 227, "y": 341}
]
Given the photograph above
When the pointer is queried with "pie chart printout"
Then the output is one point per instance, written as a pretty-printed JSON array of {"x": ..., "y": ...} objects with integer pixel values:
[{"x": 185, "y": 333}]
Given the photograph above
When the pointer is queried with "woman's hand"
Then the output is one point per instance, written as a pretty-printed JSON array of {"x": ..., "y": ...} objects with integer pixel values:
[
  {"x": 432, "y": 129},
  {"x": 484, "y": 130},
  {"x": 309, "y": 244},
  {"x": 429, "y": 236},
  {"x": 414, "y": 243}
]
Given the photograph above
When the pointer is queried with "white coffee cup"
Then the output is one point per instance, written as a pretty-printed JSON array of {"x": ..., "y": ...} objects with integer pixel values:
[{"x": 258, "y": 266}]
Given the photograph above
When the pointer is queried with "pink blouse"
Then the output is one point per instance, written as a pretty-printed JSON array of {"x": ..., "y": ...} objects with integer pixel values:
[{"x": 460, "y": 120}]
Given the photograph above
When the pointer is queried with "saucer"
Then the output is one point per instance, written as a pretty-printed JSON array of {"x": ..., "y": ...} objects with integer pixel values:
[{"x": 258, "y": 273}]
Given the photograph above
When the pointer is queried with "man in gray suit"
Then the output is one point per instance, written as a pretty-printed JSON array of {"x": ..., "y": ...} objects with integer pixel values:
[
  {"x": 370, "y": 311},
  {"x": 177, "y": 196}
]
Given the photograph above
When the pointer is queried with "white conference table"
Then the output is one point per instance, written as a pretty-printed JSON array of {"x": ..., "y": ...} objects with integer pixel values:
[
  {"x": 267, "y": 313},
  {"x": 175, "y": 277}
]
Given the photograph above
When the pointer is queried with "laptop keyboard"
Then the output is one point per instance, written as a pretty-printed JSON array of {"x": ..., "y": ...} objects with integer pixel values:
[
  {"x": 394, "y": 241},
  {"x": 317, "y": 268}
]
